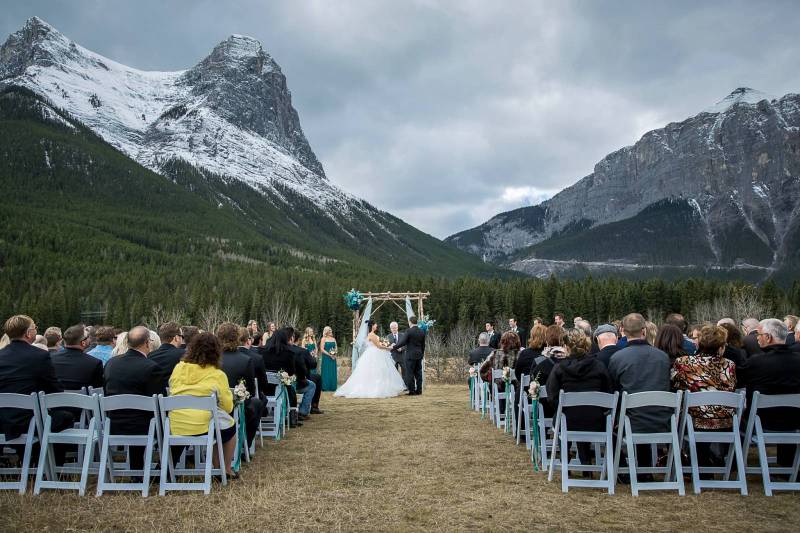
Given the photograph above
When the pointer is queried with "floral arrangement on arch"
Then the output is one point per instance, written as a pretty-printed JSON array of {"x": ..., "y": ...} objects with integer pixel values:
[
  {"x": 425, "y": 323},
  {"x": 353, "y": 299}
]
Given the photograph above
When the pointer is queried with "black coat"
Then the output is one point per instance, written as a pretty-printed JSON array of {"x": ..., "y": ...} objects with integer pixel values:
[
  {"x": 24, "y": 369},
  {"x": 413, "y": 340},
  {"x": 300, "y": 365},
  {"x": 604, "y": 355},
  {"x": 737, "y": 356},
  {"x": 790, "y": 339},
  {"x": 76, "y": 369},
  {"x": 775, "y": 371},
  {"x": 132, "y": 373},
  {"x": 494, "y": 340},
  {"x": 282, "y": 361},
  {"x": 525, "y": 361},
  {"x": 258, "y": 368},
  {"x": 166, "y": 357},
  {"x": 750, "y": 342},
  {"x": 397, "y": 355},
  {"x": 239, "y": 366},
  {"x": 583, "y": 374},
  {"x": 479, "y": 354}
]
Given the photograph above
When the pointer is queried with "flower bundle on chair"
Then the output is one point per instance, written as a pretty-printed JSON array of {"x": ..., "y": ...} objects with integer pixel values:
[
  {"x": 240, "y": 396},
  {"x": 472, "y": 373},
  {"x": 533, "y": 392},
  {"x": 287, "y": 380},
  {"x": 353, "y": 299}
]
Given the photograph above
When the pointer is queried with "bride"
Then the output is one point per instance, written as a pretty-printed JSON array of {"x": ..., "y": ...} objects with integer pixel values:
[{"x": 375, "y": 375}]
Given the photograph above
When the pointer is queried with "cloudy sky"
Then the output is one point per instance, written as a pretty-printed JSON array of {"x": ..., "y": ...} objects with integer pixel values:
[{"x": 446, "y": 113}]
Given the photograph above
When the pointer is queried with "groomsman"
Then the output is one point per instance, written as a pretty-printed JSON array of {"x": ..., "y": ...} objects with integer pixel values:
[
  {"x": 397, "y": 353},
  {"x": 513, "y": 327},
  {"x": 494, "y": 337}
]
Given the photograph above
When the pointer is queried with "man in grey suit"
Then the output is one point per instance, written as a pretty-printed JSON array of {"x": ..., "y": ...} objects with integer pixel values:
[
  {"x": 397, "y": 354},
  {"x": 414, "y": 343}
]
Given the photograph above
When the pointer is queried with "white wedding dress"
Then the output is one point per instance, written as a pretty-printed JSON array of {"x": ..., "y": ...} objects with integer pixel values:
[{"x": 375, "y": 376}]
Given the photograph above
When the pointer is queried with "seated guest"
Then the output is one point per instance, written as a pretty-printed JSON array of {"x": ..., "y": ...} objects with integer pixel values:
[
  {"x": 791, "y": 322},
  {"x": 707, "y": 370},
  {"x": 479, "y": 354},
  {"x": 694, "y": 334},
  {"x": 586, "y": 327},
  {"x": 670, "y": 341},
  {"x": 505, "y": 356},
  {"x": 677, "y": 320},
  {"x": 188, "y": 333},
  {"x": 74, "y": 367},
  {"x": 52, "y": 336},
  {"x": 305, "y": 384},
  {"x": 774, "y": 371},
  {"x": 650, "y": 332},
  {"x": 170, "y": 352},
  {"x": 606, "y": 336},
  {"x": 279, "y": 358},
  {"x": 750, "y": 339},
  {"x": 199, "y": 374},
  {"x": 527, "y": 357},
  {"x": 133, "y": 373},
  {"x": 796, "y": 346},
  {"x": 240, "y": 367},
  {"x": 104, "y": 347},
  {"x": 640, "y": 367},
  {"x": 121, "y": 346},
  {"x": 246, "y": 347},
  {"x": 551, "y": 355},
  {"x": 579, "y": 372},
  {"x": 734, "y": 348},
  {"x": 25, "y": 369}
]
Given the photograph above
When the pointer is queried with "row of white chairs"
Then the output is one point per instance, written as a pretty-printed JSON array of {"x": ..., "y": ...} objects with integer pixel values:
[
  {"x": 93, "y": 437},
  {"x": 556, "y": 441}
]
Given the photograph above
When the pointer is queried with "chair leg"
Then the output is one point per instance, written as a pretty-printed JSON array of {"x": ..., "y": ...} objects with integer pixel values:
[
  {"x": 553, "y": 452},
  {"x": 693, "y": 458},
  {"x": 44, "y": 445},
  {"x": 631, "y": 447},
  {"x": 101, "y": 474},
  {"x": 762, "y": 458},
  {"x": 609, "y": 463},
  {"x": 166, "y": 462},
  {"x": 564, "y": 458},
  {"x": 148, "y": 459},
  {"x": 88, "y": 452},
  {"x": 737, "y": 448},
  {"x": 675, "y": 451}
]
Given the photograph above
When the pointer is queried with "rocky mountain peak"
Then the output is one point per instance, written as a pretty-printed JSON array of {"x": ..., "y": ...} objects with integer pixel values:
[
  {"x": 739, "y": 95},
  {"x": 240, "y": 53}
]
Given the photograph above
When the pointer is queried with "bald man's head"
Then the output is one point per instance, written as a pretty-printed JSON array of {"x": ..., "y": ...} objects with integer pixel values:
[{"x": 139, "y": 339}]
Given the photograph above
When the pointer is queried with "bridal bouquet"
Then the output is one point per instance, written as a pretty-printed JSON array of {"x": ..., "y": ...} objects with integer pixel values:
[
  {"x": 286, "y": 379},
  {"x": 353, "y": 299},
  {"x": 385, "y": 343},
  {"x": 240, "y": 393}
]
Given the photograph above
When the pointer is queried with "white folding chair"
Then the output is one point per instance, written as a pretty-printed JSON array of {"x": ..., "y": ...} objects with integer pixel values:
[
  {"x": 525, "y": 417},
  {"x": 30, "y": 437},
  {"x": 271, "y": 425},
  {"x": 755, "y": 429},
  {"x": 148, "y": 405},
  {"x": 630, "y": 439},
  {"x": 499, "y": 417},
  {"x": 87, "y": 439},
  {"x": 730, "y": 437},
  {"x": 602, "y": 441},
  {"x": 208, "y": 441}
]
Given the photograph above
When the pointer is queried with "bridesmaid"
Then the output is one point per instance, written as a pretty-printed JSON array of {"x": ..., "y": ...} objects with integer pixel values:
[
  {"x": 268, "y": 333},
  {"x": 328, "y": 346},
  {"x": 310, "y": 344}
]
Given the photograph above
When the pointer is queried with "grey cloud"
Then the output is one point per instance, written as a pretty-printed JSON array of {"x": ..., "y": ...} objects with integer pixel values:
[{"x": 445, "y": 113}]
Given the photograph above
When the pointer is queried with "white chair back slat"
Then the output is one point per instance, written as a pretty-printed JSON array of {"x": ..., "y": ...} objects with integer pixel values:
[{"x": 596, "y": 399}]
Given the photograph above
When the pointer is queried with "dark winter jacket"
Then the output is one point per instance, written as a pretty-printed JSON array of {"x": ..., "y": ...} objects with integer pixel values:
[{"x": 580, "y": 374}]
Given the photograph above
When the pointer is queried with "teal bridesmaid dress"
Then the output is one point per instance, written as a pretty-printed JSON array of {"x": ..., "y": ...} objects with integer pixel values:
[
  {"x": 310, "y": 347},
  {"x": 330, "y": 374}
]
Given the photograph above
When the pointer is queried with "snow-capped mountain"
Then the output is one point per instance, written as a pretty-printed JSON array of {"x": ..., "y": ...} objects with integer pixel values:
[
  {"x": 230, "y": 114},
  {"x": 728, "y": 180},
  {"x": 224, "y": 129}
]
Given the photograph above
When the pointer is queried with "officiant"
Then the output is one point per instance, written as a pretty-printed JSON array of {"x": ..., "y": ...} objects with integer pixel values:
[{"x": 397, "y": 355}]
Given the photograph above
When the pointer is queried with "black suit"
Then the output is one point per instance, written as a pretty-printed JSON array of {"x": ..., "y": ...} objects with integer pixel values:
[
  {"x": 604, "y": 355},
  {"x": 479, "y": 354},
  {"x": 750, "y": 342},
  {"x": 494, "y": 340},
  {"x": 277, "y": 362},
  {"x": 25, "y": 369},
  {"x": 397, "y": 355},
  {"x": 166, "y": 357},
  {"x": 775, "y": 371},
  {"x": 132, "y": 373},
  {"x": 413, "y": 340},
  {"x": 311, "y": 364},
  {"x": 76, "y": 369},
  {"x": 258, "y": 367},
  {"x": 790, "y": 339},
  {"x": 240, "y": 366}
]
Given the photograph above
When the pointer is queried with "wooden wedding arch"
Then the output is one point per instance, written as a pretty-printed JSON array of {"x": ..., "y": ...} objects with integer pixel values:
[{"x": 381, "y": 298}]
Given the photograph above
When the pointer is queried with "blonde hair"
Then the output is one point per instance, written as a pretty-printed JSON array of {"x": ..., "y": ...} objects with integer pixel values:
[
  {"x": 155, "y": 340},
  {"x": 650, "y": 333},
  {"x": 327, "y": 331},
  {"x": 308, "y": 336},
  {"x": 122, "y": 344},
  {"x": 5, "y": 341},
  {"x": 577, "y": 342}
]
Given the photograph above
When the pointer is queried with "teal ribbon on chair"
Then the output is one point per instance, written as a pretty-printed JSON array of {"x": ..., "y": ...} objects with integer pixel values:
[
  {"x": 483, "y": 399},
  {"x": 284, "y": 410},
  {"x": 508, "y": 390},
  {"x": 241, "y": 439},
  {"x": 536, "y": 454},
  {"x": 471, "y": 391}
]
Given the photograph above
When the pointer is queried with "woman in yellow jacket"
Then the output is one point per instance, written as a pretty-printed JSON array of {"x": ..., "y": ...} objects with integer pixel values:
[{"x": 199, "y": 374}]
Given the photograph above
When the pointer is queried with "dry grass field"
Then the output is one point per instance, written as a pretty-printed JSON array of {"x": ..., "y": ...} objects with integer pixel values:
[{"x": 409, "y": 463}]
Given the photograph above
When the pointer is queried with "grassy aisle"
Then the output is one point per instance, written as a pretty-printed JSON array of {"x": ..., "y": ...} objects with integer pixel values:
[{"x": 401, "y": 464}]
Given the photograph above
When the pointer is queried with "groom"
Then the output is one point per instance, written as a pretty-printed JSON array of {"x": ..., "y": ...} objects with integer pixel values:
[{"x": 414, "y": 343}]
